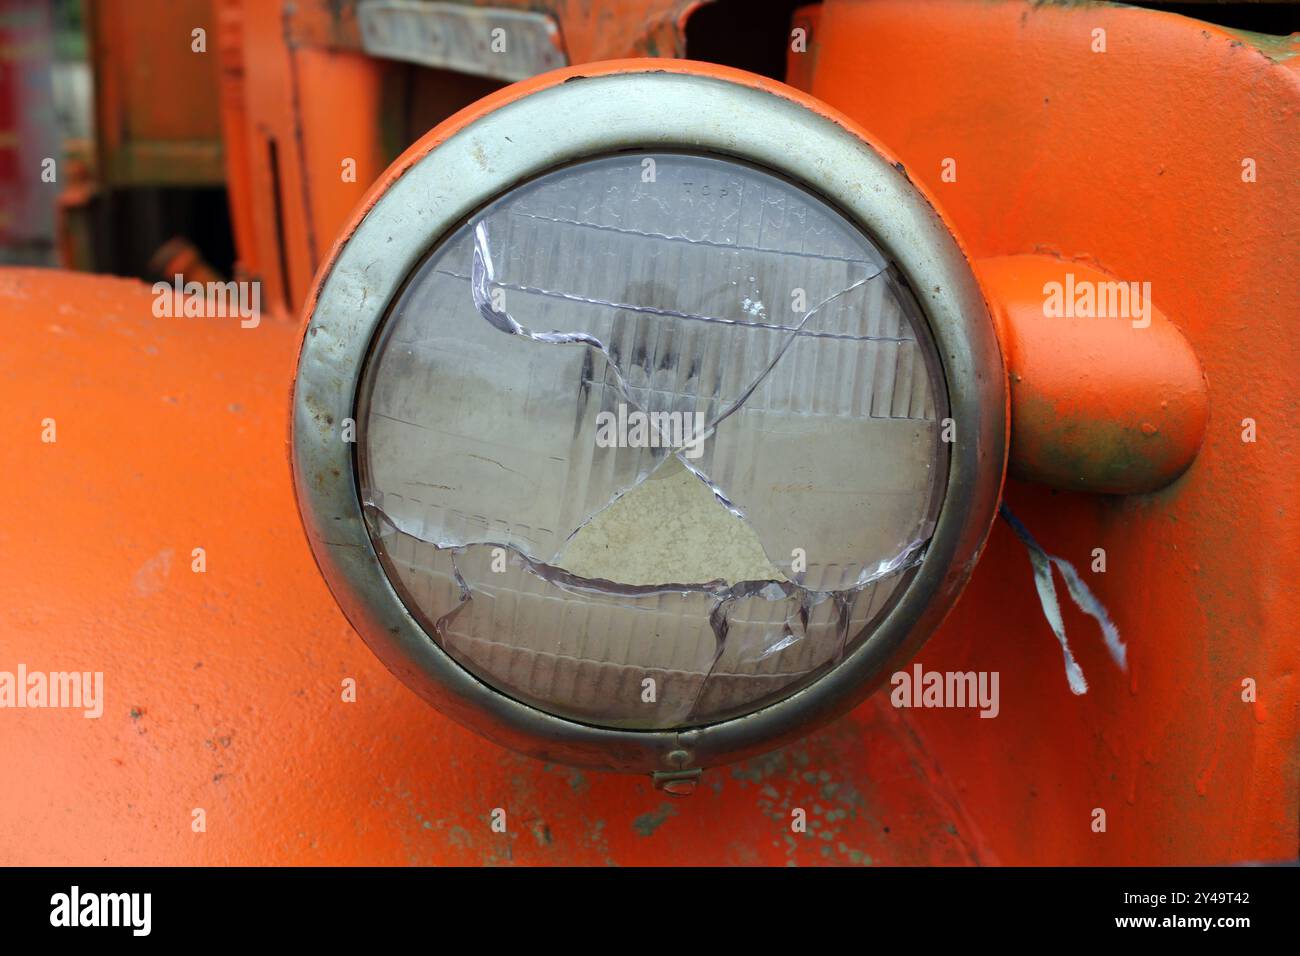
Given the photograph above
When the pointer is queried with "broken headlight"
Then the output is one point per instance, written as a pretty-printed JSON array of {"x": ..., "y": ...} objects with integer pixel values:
[
  {"x": 652, "y": 439},
  {"x": 643, "y": 420}
]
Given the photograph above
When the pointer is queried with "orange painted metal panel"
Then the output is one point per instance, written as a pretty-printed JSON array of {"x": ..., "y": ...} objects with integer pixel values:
[
  {"x": 146, "y": 136},
  {"x": 341, "y": 146},
  {"x": 272, "y": 190},
  {"x": 1122, "y": 160},
  {"x": 224, "y": 689}
]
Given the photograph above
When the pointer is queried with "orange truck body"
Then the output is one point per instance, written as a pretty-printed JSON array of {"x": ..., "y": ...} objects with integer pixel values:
[{"x": 223, "y": 686}]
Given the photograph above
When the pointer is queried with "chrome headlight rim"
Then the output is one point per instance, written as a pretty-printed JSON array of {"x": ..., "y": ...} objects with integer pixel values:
[{"x": 599, "y": 114}]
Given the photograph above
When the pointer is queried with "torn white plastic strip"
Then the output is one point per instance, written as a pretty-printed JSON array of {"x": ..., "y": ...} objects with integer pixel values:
[{"x": 1079, "y": 592}]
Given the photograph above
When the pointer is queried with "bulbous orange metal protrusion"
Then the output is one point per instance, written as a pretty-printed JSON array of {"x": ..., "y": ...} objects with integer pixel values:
[{"x": 1106, "y": 393}]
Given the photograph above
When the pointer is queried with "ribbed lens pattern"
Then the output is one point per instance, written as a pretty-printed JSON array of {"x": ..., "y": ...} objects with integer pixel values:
[{"x": 781, "y": 490}]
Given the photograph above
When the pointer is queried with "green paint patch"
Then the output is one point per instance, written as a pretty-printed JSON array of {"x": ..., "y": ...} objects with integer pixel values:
[
  {"x": 459, "y": 837},
  {"x": 647, "y": 823},
  {"x": 541, "y": 833},
  {"x": 759, "y": 769}
]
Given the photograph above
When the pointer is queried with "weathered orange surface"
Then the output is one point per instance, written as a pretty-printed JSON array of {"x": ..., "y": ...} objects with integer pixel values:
[
  {"x": 223, "y": 688},
  {"x": 1130, "y": 160},
  {"x": 150, "y": 128}
]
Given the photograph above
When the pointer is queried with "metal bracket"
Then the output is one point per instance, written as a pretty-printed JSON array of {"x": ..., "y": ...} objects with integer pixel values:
[
  {"x": 485, "y": 41},
  {"x": 677, "y": 783}
]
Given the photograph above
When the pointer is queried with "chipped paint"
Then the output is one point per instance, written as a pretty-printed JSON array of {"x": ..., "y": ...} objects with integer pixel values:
[{"x": 647, "y": 823}]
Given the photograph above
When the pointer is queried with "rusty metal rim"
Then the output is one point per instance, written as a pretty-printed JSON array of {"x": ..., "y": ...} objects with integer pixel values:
[{"x": 688, "y": 107}]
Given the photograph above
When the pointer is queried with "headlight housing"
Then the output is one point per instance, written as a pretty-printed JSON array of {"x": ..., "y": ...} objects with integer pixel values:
[{"x": 678, "y": 417}]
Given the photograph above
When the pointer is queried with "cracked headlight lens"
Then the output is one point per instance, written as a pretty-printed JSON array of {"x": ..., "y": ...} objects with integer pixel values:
[{"x": 652, "y": 440}]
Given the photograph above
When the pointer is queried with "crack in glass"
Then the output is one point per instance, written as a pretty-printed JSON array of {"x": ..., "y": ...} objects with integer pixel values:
[{"x": 647, "y": 584}]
